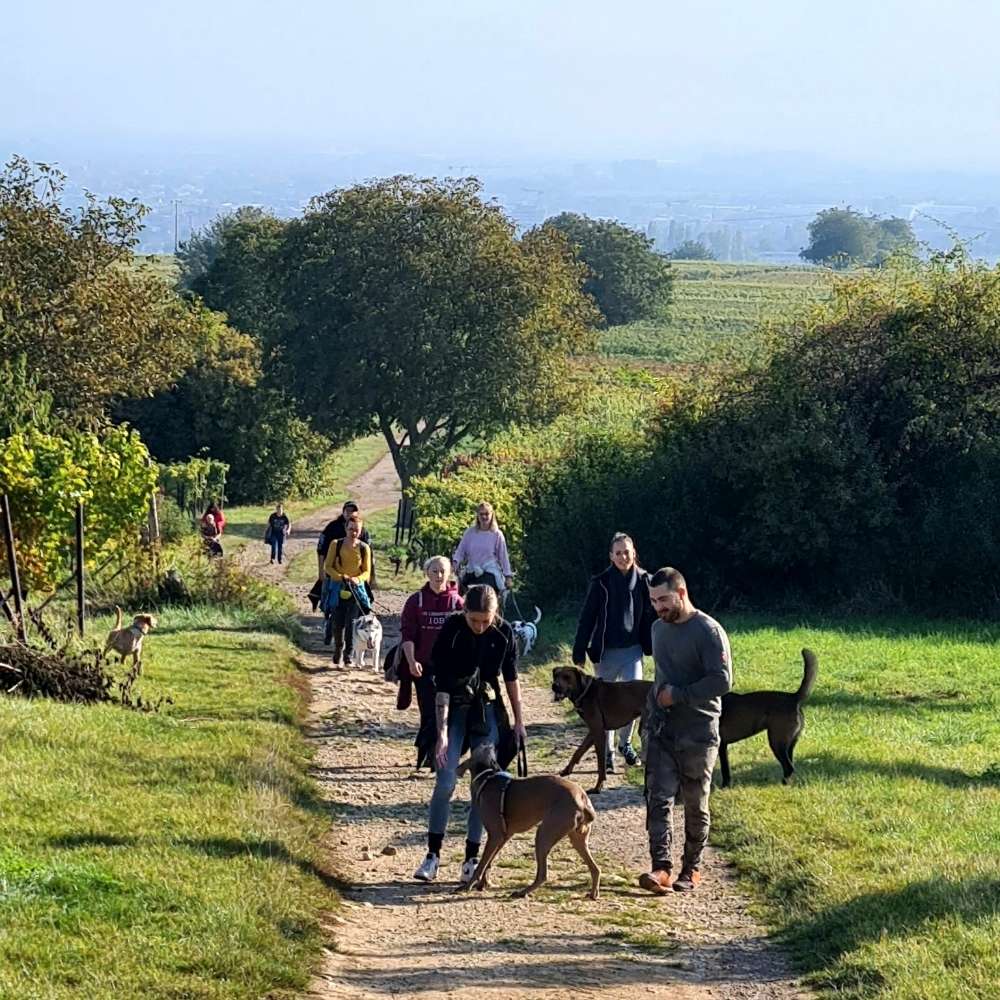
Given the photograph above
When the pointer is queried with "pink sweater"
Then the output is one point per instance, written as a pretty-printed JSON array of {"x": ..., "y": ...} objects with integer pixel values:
[{"x": 479, "y": 547}]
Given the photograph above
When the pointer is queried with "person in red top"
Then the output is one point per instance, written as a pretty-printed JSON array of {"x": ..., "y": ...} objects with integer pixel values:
[{"x": 424, "y": 614}]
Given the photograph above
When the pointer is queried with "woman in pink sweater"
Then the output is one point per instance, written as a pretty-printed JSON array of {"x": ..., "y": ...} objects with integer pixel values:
[{"x": 482, "y": 552}]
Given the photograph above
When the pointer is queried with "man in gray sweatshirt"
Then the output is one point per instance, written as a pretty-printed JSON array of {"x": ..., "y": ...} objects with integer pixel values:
[{"x": 694, "y": 669}]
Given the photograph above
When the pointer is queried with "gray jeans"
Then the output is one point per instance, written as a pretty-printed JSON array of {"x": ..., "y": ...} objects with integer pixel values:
[
  {"x": 673, "y": 770},
  {"x": 620, "y": 665}
]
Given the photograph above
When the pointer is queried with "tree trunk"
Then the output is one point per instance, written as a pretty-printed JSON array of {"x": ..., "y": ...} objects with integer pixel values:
[{"x": 397, "y": 452}]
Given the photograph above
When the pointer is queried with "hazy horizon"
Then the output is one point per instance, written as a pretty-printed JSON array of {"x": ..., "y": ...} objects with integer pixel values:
[{"x": 904, "y": 87}]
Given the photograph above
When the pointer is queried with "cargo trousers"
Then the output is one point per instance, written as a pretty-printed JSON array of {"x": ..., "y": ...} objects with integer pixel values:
[{"x": 682, "y": 771}]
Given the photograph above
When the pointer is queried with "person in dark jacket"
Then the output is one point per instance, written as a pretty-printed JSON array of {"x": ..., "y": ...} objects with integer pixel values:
[
  {"x": 471, "y": 653},
  {"x": 334, "y": 531},
  {"x": 614, "y": 629},
  {"x": 278, "y": 529},
  {"x": 424, "y": 615}
]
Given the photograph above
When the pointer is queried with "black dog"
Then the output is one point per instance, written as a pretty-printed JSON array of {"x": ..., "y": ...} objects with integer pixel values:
[{"x": 779, "y": 713}]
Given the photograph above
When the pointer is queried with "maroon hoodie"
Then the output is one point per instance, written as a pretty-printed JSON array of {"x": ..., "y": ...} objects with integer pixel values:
[{"x": 423, "y": 616}]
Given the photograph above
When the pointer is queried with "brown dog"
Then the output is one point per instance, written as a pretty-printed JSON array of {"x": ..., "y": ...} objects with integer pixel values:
[
  {"x": 603, "y": 706},
  {"x": 128, "y": 641},
  {"x": 559, "y": 808}
]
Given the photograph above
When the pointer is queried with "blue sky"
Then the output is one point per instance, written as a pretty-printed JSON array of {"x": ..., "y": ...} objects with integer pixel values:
[{"x": 891, "y": 83}]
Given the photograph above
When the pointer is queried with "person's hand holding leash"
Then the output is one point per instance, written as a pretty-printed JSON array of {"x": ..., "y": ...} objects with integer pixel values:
[
  {"x": 520, "y": 733},
  {"x": 416, "y": 669},
  {"x": 665, "y": 696}
]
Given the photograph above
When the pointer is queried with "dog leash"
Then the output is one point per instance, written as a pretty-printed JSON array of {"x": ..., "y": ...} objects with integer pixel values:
[
  {"x": 513, "y": 600},
  {"x": 522, "y": 760}
]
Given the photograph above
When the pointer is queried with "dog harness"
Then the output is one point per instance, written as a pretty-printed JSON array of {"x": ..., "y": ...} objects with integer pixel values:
[{"x": 486, "y": 777}]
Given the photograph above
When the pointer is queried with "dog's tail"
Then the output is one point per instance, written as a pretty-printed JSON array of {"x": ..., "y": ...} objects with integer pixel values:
[
  {"x": 810, "y": 666},
  {"x": 538, "y": 614},
  {"x": 118, "y": 617},
  {"x": 585, "y": 813}
]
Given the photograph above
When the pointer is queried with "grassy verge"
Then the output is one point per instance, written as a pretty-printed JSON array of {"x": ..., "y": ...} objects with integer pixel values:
[
  {"x": 247, "y": 523},
  {"x": 166, "y": 855},
  {"x": 880, "y": 867}
]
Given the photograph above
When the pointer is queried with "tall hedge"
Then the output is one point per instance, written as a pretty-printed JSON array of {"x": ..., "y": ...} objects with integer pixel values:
[{"x": 858, "y": 462}]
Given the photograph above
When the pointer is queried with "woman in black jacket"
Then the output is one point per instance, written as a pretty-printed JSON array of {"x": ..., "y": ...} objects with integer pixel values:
[
  {"x": 473, "y": 650},
  {"x": 614, "y": 629}
]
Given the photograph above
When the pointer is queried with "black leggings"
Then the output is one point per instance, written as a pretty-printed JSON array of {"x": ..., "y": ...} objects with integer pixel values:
[{"x": 344, "y": 615}]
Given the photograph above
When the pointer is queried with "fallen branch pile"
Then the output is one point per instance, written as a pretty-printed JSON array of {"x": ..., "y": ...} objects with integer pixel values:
[{"x": 64, "y": 675}]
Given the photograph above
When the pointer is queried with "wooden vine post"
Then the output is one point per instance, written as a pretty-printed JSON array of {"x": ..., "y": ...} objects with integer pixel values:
[
  {"x": 15, "y": 580},
  {"x": 80, "y": 597}
]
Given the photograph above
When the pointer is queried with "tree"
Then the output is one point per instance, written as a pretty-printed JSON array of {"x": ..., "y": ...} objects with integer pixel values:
[
  {"x": 231, "y": 265},
  {"x": 842, "y": 237},
  {"x": 92, "y": 324},
  {"x": 691, "y": 250},
  {"x": 411, "y": 304},
  {"x": 221, "y": 408},
  {"x": 628, "y": 279}
]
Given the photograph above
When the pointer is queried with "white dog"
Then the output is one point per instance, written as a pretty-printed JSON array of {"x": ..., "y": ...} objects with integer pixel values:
[
  {"x": 368, "y": 641},
  {"x": 526, "y": 633}
]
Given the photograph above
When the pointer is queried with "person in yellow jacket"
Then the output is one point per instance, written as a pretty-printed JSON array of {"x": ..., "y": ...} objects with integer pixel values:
[{"x": 348, "y": 561}]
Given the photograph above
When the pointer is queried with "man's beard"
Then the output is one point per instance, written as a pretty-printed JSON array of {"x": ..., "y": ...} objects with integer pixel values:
[{"x": 669, "y": 614}]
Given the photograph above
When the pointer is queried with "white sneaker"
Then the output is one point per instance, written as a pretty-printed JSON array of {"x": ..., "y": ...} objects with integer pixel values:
[
  {"x": 468, "y": 870},
  {"x": 428, "y": 869}
]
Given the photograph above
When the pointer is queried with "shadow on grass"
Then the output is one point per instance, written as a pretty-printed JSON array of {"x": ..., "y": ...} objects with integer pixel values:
[
  {"x": 896, "y": 913},
  {"x": 832, "y": 767},
  {"x": 948, "y": 701},
  {"x": 73, "y": 841},
  {"x": 228, "y": 848}
]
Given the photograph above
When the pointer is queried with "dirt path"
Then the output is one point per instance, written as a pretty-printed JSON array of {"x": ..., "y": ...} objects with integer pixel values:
[{"x": 396, "y": 937}]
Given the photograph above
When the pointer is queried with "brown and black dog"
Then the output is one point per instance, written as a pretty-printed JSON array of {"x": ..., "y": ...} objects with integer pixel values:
[
  {"x": 605, "y": 705},
  {"x": 559, "y": 808}
]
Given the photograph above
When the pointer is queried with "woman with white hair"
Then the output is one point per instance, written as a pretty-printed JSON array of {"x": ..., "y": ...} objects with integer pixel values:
[{"x": 424, "y": 615}]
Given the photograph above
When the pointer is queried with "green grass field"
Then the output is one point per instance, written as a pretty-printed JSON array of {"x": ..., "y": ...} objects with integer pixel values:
[
  {"x": 880, "y": 866},
  {"x": 170, "y": 854},
  {"x": 716, "y": 311}
]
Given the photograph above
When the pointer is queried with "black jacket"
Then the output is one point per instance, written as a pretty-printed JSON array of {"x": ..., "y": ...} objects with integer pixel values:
[
  {"x": 458, "y": 651},
  {"x": 334, "y": 531},
  {"x": 457, "y": 655},
  {"x": 593, "y": 622}
]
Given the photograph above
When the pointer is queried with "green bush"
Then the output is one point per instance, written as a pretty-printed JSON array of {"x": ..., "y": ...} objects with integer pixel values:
[
  {"x": 46, "y": 474},
  {"x": 857, "y": 462},
  {"x": 549, "y": 486},
  {"x": 175, "y": 524}
]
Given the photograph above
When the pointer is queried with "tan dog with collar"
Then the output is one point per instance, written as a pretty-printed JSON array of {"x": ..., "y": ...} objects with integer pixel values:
[
  {"x": 559, "y": 808},
  {"x": 128, "y": 641}
]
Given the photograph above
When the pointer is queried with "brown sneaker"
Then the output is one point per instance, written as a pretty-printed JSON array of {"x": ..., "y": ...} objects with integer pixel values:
[
  {"x": 657, "y": 881},
  {"x": 688, "y": 880}
]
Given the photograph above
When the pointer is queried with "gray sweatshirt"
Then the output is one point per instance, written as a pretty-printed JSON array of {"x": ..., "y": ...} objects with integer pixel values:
[{"x": 694, "y": 659}]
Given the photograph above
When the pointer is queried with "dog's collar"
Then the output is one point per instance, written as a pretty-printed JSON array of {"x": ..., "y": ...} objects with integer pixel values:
[
  {"x": 583, "y": 693},
  {"x": 137, "y": 629}
]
